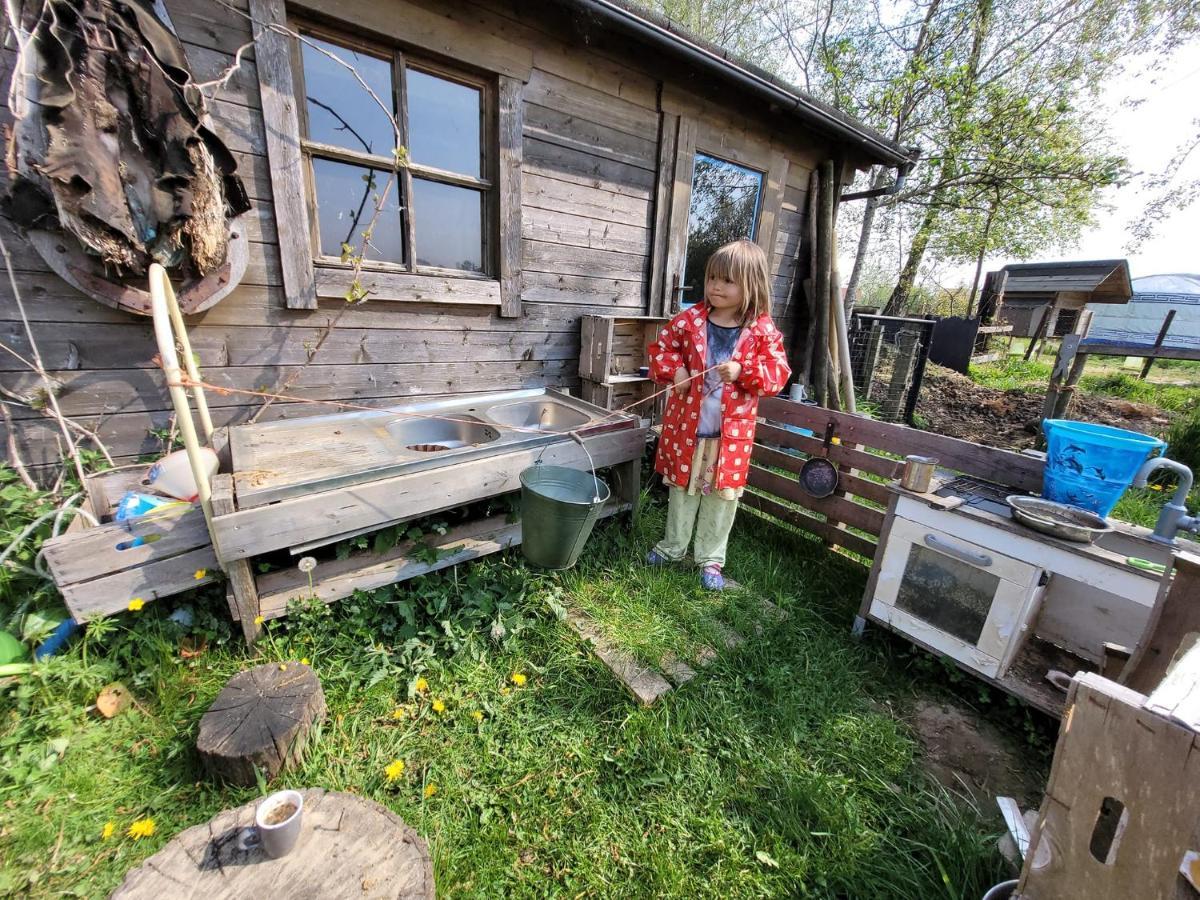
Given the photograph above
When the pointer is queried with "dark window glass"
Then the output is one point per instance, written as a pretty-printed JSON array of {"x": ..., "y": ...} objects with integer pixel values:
[
  {"x": 449, "y": 226},
  {"x": 443, "y": 123},
  {"x": 724, "y": 208},
  {"x": 347, "y": 197},
  {"x": 340, "y": 111},
  {"x": 949, "y": 594}
]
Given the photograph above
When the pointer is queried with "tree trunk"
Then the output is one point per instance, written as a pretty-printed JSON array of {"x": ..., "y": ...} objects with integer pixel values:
[
  {"x": 983, "y": 249},
  {"x": 898, "y": 302},
  {"x": 864, "y": 238}
]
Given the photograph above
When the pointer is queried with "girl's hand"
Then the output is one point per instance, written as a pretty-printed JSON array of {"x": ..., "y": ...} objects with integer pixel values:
[
  {"x": 729, "y": 371},
  {"x": 681, "y": 381}
]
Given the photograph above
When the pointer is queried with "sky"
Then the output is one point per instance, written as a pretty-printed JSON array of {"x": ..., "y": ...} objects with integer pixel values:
[{"x": 1149, "y": 135}]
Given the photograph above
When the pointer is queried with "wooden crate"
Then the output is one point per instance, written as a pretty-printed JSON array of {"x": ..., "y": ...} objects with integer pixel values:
[
  {"x": 612, "y": 350},
  {"x": 99, "y": 570}
]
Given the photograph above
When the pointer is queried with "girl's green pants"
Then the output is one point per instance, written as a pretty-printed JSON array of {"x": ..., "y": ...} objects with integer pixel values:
[{"x": 708, "y": 516}]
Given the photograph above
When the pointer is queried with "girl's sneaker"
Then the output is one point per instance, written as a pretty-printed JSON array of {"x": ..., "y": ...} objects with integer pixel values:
[
  {"x": 654, "y": 558},
  {"x": 712, "y": 579}
]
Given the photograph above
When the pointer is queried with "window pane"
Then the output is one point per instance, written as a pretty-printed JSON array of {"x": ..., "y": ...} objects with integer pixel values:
[
  {"x": 724, "y": 208},
  {"x": 949, "y": 594},
  {"x": 346, "y": 200},
  {"x": 443, "y": 123},
  {"x": 340, "y": 111},
  {"x": 449, "y": 226}
]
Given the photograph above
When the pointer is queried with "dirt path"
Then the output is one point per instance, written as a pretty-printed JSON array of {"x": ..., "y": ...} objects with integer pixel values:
[{"x": 954, "y": 405}]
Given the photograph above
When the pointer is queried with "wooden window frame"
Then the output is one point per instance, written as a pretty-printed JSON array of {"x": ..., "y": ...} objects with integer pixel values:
[
  {"x": 309, "y": 276},
  {"x": 682, "y": 137}
]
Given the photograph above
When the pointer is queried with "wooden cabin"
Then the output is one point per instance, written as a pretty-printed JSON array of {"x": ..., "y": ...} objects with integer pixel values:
[
  {"x": 1050, "y": 297},
  {"x": 567, "y": 157}
]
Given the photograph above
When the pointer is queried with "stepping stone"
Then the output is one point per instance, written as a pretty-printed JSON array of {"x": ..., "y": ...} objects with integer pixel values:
[
  {"x": 261, "y": 719},
  {"x": 677, "y": 670},
  {"x": 705, "y": 657},
  {"x": 730, "y": 638},
  {"x": 646, "y": 685}
]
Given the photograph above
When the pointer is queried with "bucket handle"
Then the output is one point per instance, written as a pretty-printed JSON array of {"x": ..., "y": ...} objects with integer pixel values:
[{"x": 578, "y": 438}]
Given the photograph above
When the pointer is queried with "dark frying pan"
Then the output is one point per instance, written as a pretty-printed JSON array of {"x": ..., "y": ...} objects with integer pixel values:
[{"x": 818, "y": 476}]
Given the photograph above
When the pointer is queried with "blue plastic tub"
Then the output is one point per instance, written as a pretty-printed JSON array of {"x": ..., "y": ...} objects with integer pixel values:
[{"x": 1091, "y": 466}]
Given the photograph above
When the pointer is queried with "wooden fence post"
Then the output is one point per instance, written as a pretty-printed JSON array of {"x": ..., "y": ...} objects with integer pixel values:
[
  {"x": 906, "y": 353},
  {"x": 1162, "y": 334}
]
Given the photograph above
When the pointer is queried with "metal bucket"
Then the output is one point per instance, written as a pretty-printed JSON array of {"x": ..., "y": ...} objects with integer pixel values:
[{"x": 559, "y": 506}]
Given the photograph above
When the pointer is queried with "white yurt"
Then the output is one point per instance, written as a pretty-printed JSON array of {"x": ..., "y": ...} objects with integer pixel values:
[{"x": 1137, "y": 323}]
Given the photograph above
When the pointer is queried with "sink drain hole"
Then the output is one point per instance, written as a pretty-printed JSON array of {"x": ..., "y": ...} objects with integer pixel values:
[{"x": 427, "y": 448}]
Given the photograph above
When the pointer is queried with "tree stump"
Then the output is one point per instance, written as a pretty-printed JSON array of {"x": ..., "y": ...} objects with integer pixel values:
[
  {"x": 348, "y": 847},
  {"x": 260, "y": 719}
]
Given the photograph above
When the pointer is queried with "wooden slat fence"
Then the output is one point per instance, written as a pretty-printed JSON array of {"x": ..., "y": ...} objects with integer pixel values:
[{"x": 868, "y": 455}]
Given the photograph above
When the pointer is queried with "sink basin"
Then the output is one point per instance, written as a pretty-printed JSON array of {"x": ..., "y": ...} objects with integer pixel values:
[
  {"x": 419, "y": 435},
  {"x": 540, "y": 414}
]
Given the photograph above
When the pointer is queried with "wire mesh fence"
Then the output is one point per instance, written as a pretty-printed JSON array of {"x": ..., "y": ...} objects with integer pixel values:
[{"x": 887, "y": 359}]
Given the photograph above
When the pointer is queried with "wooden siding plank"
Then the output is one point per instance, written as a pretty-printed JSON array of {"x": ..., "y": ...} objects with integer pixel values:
[
  {"x": 559, "y": 259},
  {"x": 581, "y": 231},
  {"x": 584, "y": 294},
  {"x": 333, "y": 282},
  {"x": 139, "y": 390},
  {"x": 281, "y": 124},
  {"x": 567, "y": 164},
  {"x": 600, "y": 107},
  {"x": 541, "y": 192},
  {"x": 511, "y": 126},
  {"x": 847, "y": 481},
  {"x": 569, "y": 130},
  {"x": 668, "y": 135}
]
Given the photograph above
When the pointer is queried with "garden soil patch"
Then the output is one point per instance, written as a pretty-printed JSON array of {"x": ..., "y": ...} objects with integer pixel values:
[
  {"x": 970, "y": 756},
  {"x": 954, "y": 405}
]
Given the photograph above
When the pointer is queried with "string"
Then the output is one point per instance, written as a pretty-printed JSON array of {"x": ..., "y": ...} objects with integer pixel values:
[{"x": 188, "y": 382}]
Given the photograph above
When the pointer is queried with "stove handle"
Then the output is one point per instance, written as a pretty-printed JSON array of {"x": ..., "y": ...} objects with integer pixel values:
[{"x": 974, "y": 557}]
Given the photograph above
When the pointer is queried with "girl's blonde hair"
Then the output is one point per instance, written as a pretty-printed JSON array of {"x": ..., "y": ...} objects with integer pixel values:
[{"x": 744, "y": 263}]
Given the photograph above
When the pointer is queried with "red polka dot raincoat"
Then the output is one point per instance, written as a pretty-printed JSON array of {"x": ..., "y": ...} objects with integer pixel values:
[{"x": 684, "y": 342}]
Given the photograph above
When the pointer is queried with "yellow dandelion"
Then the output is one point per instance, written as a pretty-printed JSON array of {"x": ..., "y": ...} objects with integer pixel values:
[
  {"x": 107, "y": 831},
  {"x": 136, "y": 603},
  {"x": 477, "y": 715},
  {"x": 141, "y": 828},
  {"x": 518, "y": 679},
  {"x": 304, "y": 661},
  {"x": 421, "y": 685},
  {"x": 505, "y": 691},
  {"x": 430, "y": 789},
  {"x": 394, "y": 769},
  {"x": 199, "y": 573},
  {"x": 399, "y": 713},
  {"x": 439, "y": 707},
  {"x": 258, "y": 620}
]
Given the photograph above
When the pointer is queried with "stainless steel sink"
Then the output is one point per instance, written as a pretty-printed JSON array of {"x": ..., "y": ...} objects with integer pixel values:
[
  {"x": 543, "y": 415},
  {"x": 289, "y": 457},
  {"x": 420, "y": 435}
]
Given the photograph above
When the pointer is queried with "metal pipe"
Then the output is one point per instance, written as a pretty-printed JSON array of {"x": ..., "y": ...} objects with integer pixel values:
[
  {"x": 1173, "y": 517},
  {"x": 889, "y": 191},
  {"x": 830, "y": 119}
]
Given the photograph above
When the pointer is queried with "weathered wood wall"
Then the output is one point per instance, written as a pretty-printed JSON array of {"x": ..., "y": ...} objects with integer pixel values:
[{"x": 591, "y": 130}]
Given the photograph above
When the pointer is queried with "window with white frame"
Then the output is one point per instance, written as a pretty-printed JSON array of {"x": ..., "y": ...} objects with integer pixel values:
[{"x": 427, "y": 208}]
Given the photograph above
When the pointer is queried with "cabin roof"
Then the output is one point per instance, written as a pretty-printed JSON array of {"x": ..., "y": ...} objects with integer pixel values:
[
  {"x": 1107, "y": 280},
  {"x": 666, "y": 36}
]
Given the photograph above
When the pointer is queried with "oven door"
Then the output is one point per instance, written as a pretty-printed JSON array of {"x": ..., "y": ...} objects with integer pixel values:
[{"x": 952, "y": 596}]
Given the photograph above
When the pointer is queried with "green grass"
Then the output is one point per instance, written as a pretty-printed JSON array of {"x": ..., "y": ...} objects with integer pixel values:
[{"x": 780, "y": 771}]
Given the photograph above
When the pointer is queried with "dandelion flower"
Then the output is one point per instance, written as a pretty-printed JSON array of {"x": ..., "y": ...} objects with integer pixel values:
[
  {"x": 430, "y": 789},
  {"x": 199, "y": 573},
  {"x": 141, "y": 828},
  {"x": 394, "y": 769},
  {"x": 304, "y": 661},
  {"x": 505, "y": 691},
  {"x": 136, "y": 603},
  {"x": 477, "y": 715},
  {"x": 518, "y": 679},
  {"x": 306, "y": 564},
  {"x": 421, "y": 686},
  {"x": 399, "y": 712},
  {"x": 439, "y": 706},
  {"x": 107, "y": 831},
  {"x": 258, "y": 620}
]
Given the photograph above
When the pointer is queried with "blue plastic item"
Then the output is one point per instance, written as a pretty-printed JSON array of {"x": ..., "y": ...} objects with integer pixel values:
[
  {"x": 1091, "y": 466},
  {"x": 134, "y": 504},
  {"x": 57, "y": 640}
]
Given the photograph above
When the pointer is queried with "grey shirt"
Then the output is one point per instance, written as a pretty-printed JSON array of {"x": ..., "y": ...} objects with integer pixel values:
[{"x": 721, "y": 343}]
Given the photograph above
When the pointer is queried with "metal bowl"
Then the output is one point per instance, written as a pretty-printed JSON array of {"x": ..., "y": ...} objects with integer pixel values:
[{"x": 1058, "y": 519}]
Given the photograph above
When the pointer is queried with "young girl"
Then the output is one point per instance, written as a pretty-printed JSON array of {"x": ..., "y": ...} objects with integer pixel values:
[{"x": 708, "y": 429}]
